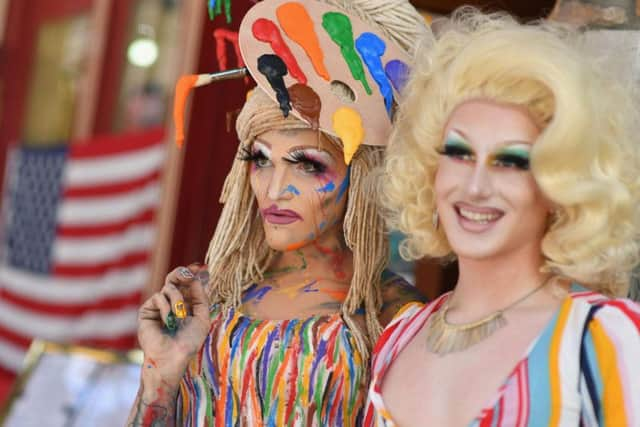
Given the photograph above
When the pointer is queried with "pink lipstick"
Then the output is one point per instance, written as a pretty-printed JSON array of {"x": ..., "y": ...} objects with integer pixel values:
[{"x": 276, "y": 216}]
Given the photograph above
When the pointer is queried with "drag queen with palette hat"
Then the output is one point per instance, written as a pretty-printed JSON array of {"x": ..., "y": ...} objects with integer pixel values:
[{"x": 281, "y": 333}]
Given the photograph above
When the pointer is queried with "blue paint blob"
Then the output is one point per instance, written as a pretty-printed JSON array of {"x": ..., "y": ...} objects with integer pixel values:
[
  {"x": 398, "y": 73},
  {"x": 344, "y": 186},
  {"x": 371, "y": 49},
  {"x": 291, "y": 189},
  {"x": 322, "y": 225},
  {"x": 327, "y": 188}
]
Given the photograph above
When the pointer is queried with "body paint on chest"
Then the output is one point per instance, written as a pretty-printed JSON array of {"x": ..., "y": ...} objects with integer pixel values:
[{"x": 255, "y": 294}]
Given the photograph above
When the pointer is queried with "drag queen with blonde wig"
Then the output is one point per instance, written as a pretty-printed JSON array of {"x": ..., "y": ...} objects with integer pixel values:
[
  {"x": 517, "y": 155},
  {"x": 298, "y": 291}
]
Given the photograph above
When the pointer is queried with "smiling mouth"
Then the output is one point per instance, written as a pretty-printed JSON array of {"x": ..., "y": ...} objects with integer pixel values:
[{"x": 477, "y": 217}]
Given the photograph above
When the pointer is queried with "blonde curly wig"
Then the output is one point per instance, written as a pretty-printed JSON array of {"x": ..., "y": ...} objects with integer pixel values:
[{"x": 585, "y": 161}]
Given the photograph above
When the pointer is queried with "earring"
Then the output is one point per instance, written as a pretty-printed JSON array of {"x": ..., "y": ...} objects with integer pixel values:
[{"x": 435, "y": 219}]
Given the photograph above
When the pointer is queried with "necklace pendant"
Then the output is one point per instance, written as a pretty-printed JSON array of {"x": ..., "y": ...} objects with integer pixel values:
[{"x": 444, "y": 337}]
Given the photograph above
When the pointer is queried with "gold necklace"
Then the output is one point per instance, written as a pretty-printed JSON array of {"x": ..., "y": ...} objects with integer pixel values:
[{"x": 444, "y": 337}]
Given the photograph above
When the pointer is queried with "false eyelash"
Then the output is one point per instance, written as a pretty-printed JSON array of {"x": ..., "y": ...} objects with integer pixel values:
[
  {"x": 298, "y": 157},
  {"x": 514, "y": 161},
  {"x": 251, "y": 156},
  {"x": 454, "y": 151}
]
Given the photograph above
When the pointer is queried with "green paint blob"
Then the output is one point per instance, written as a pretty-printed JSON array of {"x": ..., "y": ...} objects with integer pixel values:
[{"x": 338, "y": 26}]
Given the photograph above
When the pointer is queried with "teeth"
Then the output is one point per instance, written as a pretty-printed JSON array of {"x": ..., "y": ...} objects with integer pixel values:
[{"x": 482, "y": 218}]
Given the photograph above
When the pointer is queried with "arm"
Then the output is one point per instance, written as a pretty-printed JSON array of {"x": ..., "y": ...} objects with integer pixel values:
[
  {"x": 173, "y": 324},
  {"x": 155, "y": 403},
  {"x": 396, "y": 293}
]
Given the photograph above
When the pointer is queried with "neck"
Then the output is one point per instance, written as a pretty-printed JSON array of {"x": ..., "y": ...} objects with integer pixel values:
[
  {"x": 491, "y": 284},
  {"x": 326, "y": 257}
]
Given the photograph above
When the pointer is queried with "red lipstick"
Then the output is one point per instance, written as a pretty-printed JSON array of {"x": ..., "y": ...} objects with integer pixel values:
[{"x": 277, "y": 216}]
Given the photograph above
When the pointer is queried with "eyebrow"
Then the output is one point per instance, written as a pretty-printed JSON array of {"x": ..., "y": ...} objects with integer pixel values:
[
  {"x": 262, "y": 141},
  {"x": 501, "y": 143},
  {"x": 309, "y": 147}
]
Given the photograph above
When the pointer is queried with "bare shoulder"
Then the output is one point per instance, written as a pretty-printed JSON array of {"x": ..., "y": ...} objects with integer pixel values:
[{"x": 396, "y": 293}]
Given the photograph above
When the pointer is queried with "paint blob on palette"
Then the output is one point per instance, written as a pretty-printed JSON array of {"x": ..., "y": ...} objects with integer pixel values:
[{"x": 319, "y": 45}]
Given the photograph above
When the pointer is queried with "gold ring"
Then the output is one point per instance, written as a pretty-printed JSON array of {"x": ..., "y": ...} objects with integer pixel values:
[{"x": 179, "y": 309}]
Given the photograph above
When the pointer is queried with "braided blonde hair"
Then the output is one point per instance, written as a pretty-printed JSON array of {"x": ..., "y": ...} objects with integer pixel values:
[{"x": 238, "y": 255}]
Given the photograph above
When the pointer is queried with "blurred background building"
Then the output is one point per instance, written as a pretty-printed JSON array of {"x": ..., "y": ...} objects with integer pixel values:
[{"x": 97, "y": 202}]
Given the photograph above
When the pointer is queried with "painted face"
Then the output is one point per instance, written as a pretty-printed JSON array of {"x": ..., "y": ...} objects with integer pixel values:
[
  {"x": 488, "y": 201},
  {"x": 300, "y": 181}
]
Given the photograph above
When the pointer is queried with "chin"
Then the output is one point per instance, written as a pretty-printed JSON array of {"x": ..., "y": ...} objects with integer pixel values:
[
  {"x": 282, "y": 241},
  {"x": 478, "y": 248}
]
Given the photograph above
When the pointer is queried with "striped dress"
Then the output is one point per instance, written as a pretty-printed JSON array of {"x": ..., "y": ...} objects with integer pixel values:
[
  {"x": 250, "y": 372},
  {"x": 582, "y": 370}
]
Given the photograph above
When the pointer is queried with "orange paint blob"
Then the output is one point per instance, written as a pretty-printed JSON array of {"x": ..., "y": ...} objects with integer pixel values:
[
  {"x": 183, "y": 87},
  {"x": 297, "y": 24}
]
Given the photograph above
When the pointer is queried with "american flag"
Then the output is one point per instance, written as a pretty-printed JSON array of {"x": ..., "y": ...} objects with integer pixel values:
[{"x": 77, "y": 234}]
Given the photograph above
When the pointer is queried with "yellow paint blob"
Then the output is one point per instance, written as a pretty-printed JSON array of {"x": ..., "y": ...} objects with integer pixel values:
[{"x": 347, "y": 124}]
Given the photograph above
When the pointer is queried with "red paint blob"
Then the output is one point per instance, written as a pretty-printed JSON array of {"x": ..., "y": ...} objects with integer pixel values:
[{"x": 266, "y": 31}]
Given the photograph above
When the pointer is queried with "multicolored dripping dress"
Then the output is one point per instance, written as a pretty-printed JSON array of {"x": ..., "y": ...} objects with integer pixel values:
[{"x": 254, "y": 372}]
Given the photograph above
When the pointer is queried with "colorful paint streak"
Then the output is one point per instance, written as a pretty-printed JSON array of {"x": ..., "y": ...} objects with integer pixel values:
[
  {"x": 371, "y": 49},
  {"x": 307, "y": 103},
  {"x": 337, "y": 262},
  {"x": 344, "y": 185},
  {"x": 212, "y": 9},
  {"x": 274, "y": 69},
  {"x": 398, "y": 73},
  {"x": 215, "y": 9},
  {"x": 290, "y": 268},
  {"x": 266, "y": 31},
  {"x": 328, "y": 188},
  {"x": 292, "y": 189},
  {"x": 255, "y": 294},
  {"x": 298, "y": 25},
  {"x": 183, "y": 87},
  {"x": 347, "y": 124},
  {"x": 338, "y": 26},
  {"x": 222, "y": 36}
]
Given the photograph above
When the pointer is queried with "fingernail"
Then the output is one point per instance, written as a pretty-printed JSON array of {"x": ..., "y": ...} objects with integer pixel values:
[
  {"x": 185, "y": 273},
  {"x": 181, "y": 312},
  {"x": 171, "y": 323}
]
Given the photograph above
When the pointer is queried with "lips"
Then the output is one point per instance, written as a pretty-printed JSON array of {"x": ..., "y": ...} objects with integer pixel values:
[
  {"x": 477, "y": 219},
  {"x": 276, "y": 216}
]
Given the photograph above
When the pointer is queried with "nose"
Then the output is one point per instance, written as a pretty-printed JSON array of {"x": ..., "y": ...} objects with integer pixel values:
[
  {"x": 479, "y": 185},
  {"x": 278, "y": 185}
]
